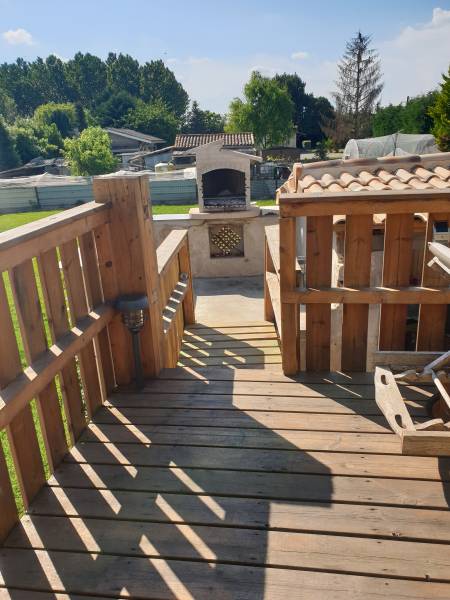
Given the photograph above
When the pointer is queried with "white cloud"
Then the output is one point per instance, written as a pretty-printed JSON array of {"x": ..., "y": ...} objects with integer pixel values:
[
  {"x": 18, "y": 36},
  {"x": 414, "y": 60},
  {"x": 299, "y": 55}
]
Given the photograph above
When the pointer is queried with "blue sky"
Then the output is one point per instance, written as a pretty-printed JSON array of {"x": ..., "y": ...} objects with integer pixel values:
[{"x": 212, "y": 46}]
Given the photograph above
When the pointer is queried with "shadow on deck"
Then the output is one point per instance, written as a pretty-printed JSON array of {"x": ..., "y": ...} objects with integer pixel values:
[{"x": 223, "y": 483}]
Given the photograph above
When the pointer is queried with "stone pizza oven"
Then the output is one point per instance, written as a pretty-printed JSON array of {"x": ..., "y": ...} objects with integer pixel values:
[{"x": 223, "y": 178}]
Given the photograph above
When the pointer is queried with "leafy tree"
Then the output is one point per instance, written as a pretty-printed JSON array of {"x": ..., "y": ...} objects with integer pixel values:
[
  {"x": 81, "y": 117},
  {"x": 64, "y": 116},
  {"x": 359, "y": 85},
  {"x": 90, "y": 153},
  {"x": 34, "y": 139},
  {"x": 154, "y": 119},
  {"x": 123, "y": 73},
  {"x": 8, "y": 108},
  {"x": 266, "y": 111},
  {"x": 158, "y": 84},
  {"x": 87, "y": 75},
  {"x": 8, "y": 155},
  {"x": 440, "y": 113},
  {"x": 203, "y": 121},
  {"x": 113, "y": 110},
  {"x": 411, "y": 117}
]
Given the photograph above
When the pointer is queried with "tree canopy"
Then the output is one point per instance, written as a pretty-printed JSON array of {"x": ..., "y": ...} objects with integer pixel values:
[
  {"x": 440, "y": 113},
  {"x": 410, "y": 117},
  {"x": 90, "y": 153},
  {"x": 154, "y": 119},
  {"x": 203, "y": 121},
  {"x": 8, "y": 155},
  {"x": 267, "y": 111}
]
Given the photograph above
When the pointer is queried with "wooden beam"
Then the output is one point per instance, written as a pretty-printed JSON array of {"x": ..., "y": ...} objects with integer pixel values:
[
  {"x": 169, "y": 248},
  {"x": 397, "y": 261},
  {"x": 290, "y": 326},
  {"x": 174, "y": 303},
  {"x": 357, "y": 256},
  {"x": 35, "y": 378},
  {"x": 134, "y": 260},
  {"x": 23, "y": 243},
  {"x": 273, "y": 288},
  {"x": 319, "y": 236},
  {"x": 185, "y": 267},
  {"x": 426, "y": 443},
  {"x": 369, "y": 295},
  {"x": 364, "y": 203}
]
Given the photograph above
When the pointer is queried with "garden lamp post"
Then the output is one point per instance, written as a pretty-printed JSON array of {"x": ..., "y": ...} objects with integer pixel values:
[{"x": 132, "y": 308}]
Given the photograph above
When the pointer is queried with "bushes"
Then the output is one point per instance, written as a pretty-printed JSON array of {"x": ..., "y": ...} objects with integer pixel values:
[{"x": 90, "y": 153}]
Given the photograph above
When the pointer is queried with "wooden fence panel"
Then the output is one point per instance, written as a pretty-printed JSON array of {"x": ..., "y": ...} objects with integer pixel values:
[
  {"x": 398, "y": 238},
  {"x": 357, "y": 262},
  {"x": 319, "y": 238},
  {"x": 21, "y": 431},
  {"x": 30, "y": 317},
  {"x": 432, "y": 318},
  {"x": 95, "y": 297},
  {"x": 185, "y": 267},
  {"x": 79, "y": 308}
]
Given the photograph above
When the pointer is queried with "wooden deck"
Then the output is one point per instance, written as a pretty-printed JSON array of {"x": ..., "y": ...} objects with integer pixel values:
[
  {"x": 219, "y": 483},
  {"x": 250, "y": 345}
]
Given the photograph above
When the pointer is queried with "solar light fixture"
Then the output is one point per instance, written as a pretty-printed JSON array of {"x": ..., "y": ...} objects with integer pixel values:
[{"x": 132, "y": 308}]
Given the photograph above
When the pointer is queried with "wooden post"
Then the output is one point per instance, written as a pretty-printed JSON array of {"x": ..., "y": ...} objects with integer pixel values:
[
  {"x": 134, "y": 261},
  {"x": 269, "y": 314},
  {"x": 319, "y": 237},
  {"x": 397, "y": 260},
  {"x": 290, "y": 326},
  {"x": 357, "y": 256},
  {"x": 188, "y": 301}
]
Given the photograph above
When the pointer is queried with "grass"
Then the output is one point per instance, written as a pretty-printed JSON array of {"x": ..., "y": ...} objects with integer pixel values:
[{"x": 17, "y": 219}]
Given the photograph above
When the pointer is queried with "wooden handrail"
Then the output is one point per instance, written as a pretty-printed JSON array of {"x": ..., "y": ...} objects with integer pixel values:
[
  {"x": 355, "y": 203},
  {"x": 22, "y": 243},
  {"x": 169, "y": 249},
  {"x": 35, "y": 378},
  {"x": 369, "y": 295}
]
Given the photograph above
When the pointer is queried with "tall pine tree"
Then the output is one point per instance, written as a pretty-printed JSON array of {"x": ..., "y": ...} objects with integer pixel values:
[
  {"x": 359, "y": 86},
  {"x": 440, "y": 114}
]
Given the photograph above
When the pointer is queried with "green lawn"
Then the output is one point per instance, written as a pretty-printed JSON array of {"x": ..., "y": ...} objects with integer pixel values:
[{"x": 17, "y": 219}]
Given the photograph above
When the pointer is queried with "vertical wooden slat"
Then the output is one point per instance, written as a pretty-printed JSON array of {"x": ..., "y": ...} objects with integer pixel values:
[
  {"x": 357, "y": 259},
  {"x": 269, "y": 314},
  {"x": 118, "y": 335},
  {"x": 290, "y": 326},
  {"x": 8, "y": 365},
  {"x": 189, "y": 301},
  {"x": 432, "y": 317},
  {"x": 397, "y": 259},
  {"x": 319, "y": 237},
  {"x": 29, "y": 313},
  {"x": 21, "y": 431},
  {"x": 134, "y": 260},
  {"x": 79, "y": 308},
  {"x": 95, "y": 297}
]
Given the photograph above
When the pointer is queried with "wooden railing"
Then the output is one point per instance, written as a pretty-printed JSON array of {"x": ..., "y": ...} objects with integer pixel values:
[
  {"x": 63, "y": 347},
  {"x": 390, "y": 299},
  {"x": 177, "y": 297}
]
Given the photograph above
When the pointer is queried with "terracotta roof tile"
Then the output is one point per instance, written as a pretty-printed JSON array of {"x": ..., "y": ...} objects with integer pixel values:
[
  {"x": 361, "y": 175},
  {"x": 186, "y": 141}
]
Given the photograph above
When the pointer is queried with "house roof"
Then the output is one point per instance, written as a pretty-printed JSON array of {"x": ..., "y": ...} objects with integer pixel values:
[
  {"x": 429, "y": 171},
  {"x": 135, "y": 135},
  {"x": 185, "y": 141}
]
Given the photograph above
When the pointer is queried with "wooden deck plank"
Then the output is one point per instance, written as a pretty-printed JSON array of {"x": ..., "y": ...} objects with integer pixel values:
[
  {"x": 349, "y": 519},
  {"x": 244, "y": 438},
  {"x": 238, "y": 483},
  {"x": 260, "y": 359},
  {"x": 323, "y": 404},
  {"x": 167, "y": 579},
  {"x": 188, "y": 352},
  {"x": 288, "y": 460},
  {"x": 275, "y": 486},
  {"x": 276, "y": 548},
  {"x": 248, "y": 419}
]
